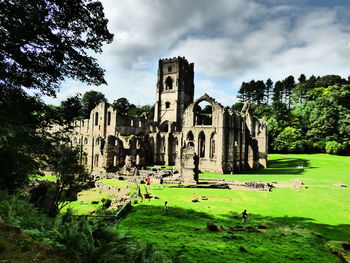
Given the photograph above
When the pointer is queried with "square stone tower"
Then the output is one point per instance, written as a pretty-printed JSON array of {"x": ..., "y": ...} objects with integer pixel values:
[{"x": 175, "y": 90}]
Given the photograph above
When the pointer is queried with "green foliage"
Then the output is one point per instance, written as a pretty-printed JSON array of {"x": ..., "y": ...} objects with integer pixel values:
[
  {"x": 24, "y": 141},
  {"x": 88, "y": 239},
  {"x": 42, "y": 43},
  {"x": 71, "y": 176},
  {"x": 71, "y": 108},
  {"x": 289, "y": 140},
  {"x": 333, "y": 147},
  {"x": 122, "y": 105},
  {"x": 317, "y": 108},
  {"x": 146, "y": 111},
  {"x": 45, "y": 41},
  {"x": 90, "y": 100}
]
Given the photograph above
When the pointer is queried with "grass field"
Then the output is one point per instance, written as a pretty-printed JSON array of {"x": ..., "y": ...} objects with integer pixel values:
[{"x": 299, "y": 222}]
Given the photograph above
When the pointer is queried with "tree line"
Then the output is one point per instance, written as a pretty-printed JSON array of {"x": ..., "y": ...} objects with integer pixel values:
[
  {"x": 305, "y": 116},
  {"x": 79, "y": 107}
]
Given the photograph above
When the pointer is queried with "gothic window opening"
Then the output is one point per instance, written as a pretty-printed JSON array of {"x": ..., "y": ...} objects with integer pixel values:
[
  {"x": 167, "y": 105},
  {"x": 114, "y": 160},
  {"x": 164, "y": 127},
  {"x": 96, "y": 118},
  {"x": 201, "y": 144},
  {"x": 109, "y": 118},
  {"x": 168, "y": 83},
  {"x": 170, "y": 69},
  {"x": 86, "y": 141},
  {"x": 203, "y": 113},
  {"x": 212, "y": 146},
  {"x": 189, "y": 136}
]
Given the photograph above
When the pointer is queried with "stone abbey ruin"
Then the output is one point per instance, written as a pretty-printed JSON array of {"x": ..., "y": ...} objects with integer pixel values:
[{"x": 184, "y": 134}]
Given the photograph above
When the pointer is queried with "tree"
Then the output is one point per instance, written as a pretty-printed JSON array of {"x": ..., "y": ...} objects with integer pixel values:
[
  {"x": 243, "y": 92},
  {"x": 122, "y": 105},
  {"x": 278, "y": 92},
  {"x": 23, "y": 137},
  {"x": 71, "y": 108},
  {"x": 259, "y": 92},
  {"x": 268, "y": 85},
  {"x": 45, "y": 41},
  {"x": 288, "y": 84},
  {"x": 90, "y": 100},
  {"x": 146, "y": 110},
  {"x": 71, "y": 176},
  {"x": 289, "y": 140},
  {"x": 42, "y": 43}
]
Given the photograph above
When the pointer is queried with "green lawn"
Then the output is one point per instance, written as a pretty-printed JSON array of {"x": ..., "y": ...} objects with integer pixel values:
[{"x": 299, "y": 221}]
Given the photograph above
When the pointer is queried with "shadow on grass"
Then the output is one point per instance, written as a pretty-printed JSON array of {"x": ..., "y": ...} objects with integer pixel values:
[
  {"x": 183, "y": 232},
  {"x": 178, "y": 215},
  {"x": 287, "y": 166},
  {"x": 289, "y": 163}
]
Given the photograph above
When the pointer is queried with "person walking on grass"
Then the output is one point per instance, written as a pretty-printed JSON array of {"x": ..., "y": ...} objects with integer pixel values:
[
  {"x": 148, "y": 181},
  {"x": 166, "y": 207},
  {"x": 161, "y": 181},
  {"x": 244, "y": 216}
]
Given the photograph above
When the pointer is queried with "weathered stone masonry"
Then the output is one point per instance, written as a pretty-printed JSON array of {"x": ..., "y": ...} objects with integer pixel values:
[{"x": 225, "y": 141}]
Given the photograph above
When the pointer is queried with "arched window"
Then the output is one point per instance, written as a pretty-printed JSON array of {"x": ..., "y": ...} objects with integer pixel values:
[
  {"x": 201, "y": 144},
  {"x": 212, "y": 146},
  {"x": 164, "y": 127},
  {"x": 189, "y": 136},
  {"x": 96, "y": 118},
  {"x": 167, "y": 105},
  {"x": 109, "y": 118},
  {"x": 168, "y": 83},
  {"x": 114, "y": 160},
  {"x": 86, "y": 141},
  {"x": 203, "y": 113}
]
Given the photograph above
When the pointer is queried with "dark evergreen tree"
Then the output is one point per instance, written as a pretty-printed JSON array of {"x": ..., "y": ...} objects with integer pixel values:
[
  {"x": 269, "y": 86},
  {"x": 259, "y": 92}
]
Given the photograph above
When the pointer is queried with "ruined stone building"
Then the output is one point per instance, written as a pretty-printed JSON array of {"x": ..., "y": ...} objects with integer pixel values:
[{"x": 222, "y": 140}]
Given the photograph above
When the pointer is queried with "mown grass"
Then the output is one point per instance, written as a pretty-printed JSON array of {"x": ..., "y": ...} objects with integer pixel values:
[{"x": 299, "y": 221}]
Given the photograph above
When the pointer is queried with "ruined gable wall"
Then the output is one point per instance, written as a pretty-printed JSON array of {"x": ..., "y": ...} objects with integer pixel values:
[{"x": 208, "y": 162}]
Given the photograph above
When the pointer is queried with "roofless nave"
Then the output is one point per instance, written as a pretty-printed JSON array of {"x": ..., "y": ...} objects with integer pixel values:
[{"x": 224, "y": 140}]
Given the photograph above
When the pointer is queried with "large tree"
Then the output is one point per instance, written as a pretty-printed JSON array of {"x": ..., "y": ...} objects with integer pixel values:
[
  {"x": 45, "y": 41},
  {"x": 122, "y": 105},
  {"x": 90, "y": 100},
  {"x": 42, "y": 43},
  {"x": 71, "y": 108}
]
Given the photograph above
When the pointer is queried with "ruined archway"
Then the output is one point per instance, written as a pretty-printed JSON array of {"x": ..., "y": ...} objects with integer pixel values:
[{"x": 203, "y": 113}]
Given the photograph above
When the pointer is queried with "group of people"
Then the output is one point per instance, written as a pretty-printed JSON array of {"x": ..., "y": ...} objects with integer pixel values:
[{"x": 259, "y": 185}]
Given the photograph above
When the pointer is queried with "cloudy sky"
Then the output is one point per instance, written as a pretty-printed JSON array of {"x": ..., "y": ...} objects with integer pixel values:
[{"x": 229, "y": 41}]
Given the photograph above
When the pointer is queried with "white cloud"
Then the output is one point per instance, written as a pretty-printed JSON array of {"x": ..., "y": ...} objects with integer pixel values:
[{"x": 235, "y": 40}]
